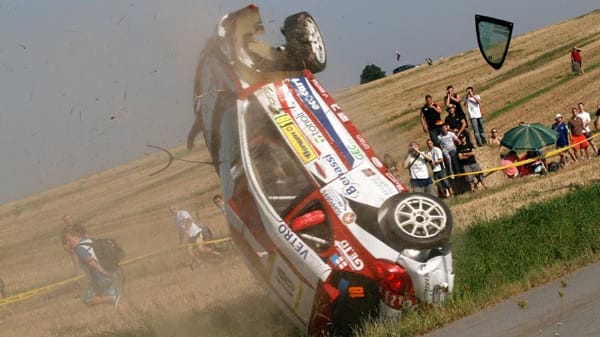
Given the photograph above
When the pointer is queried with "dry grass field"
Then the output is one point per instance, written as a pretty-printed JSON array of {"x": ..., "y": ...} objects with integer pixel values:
[{"x": 166, "y": 298}]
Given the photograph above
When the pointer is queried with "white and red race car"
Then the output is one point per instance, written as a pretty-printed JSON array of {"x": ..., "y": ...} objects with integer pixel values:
[{"x": 332, "y": 235}]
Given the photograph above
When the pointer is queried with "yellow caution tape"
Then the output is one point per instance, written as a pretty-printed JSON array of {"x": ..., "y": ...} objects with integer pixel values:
[{"x": 550, "y": 154}]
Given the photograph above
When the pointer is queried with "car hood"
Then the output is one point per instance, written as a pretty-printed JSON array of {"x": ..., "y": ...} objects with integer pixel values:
[{"x": 327, "y": 143}]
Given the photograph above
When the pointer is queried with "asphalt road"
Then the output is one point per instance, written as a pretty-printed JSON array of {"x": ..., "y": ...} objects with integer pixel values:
[{"x": 578, "y": 314}]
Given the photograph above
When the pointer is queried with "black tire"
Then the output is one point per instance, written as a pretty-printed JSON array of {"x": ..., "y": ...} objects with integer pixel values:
[
  {"x": 304, "y": 42},
  {"x": 416, "y": 221}
]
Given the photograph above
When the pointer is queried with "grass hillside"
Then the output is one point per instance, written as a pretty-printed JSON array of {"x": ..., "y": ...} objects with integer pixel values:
[{"x": 168, "y": 299}]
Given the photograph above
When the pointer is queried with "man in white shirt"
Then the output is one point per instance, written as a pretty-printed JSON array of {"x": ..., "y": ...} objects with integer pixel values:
[
  {"x": 473, "y": 103},
  {"x": 189, "y": 232},
  {"x": 448, "y": 140},
  {"x": 586, "y": 118},
  {"x": 439, "y": 169},
  {"x": 416, "y": 163}
]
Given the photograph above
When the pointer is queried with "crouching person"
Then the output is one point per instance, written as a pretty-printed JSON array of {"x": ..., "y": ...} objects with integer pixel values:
[{"x": 104, "y": 285}]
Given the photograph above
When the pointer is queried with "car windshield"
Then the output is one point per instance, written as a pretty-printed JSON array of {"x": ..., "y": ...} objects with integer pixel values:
[{"x": 279, "y": 172}]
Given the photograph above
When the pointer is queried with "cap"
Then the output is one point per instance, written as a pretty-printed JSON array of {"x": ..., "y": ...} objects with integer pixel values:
[{"x": 558, "y": 116}]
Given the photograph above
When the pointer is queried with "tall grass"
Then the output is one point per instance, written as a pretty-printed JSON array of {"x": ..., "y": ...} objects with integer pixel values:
[{"x": 497, "y": 259}]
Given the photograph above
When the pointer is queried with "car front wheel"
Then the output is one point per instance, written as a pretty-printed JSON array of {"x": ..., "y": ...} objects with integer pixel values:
[
  {"x": 416, "y": 221},
  {"x": 304, "y": 42}
]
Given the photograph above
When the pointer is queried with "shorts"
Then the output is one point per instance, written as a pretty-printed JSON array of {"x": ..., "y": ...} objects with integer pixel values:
[
  {"x": 111, "y": 289},
  {"x": 442, "y": 183},
  {"x": 194, "y": 239},
  {"x": 580, "y": 142},
  {"x": 473, "y": 168}
]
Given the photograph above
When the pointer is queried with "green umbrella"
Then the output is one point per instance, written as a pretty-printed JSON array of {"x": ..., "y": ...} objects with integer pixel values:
[{"x": 529, "y": 137}]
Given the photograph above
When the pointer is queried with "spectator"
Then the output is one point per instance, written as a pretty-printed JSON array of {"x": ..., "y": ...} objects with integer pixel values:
[
  {"x": 495, "y": 137},
  {"x": 68, "y": 224},
  {"x": 456, "y": 122},
  {"x": 563, "y": 139},
  {"x": 585, "y": 117},
  {"x": 104, "y": 285},
  {"x": 453, "y": 99},
  {"x": 431, "y": 118},
  {"x": 576, "y": 61},
  {"x": 416, "y": 163},
  {"x": 439, "y": 170},
  {"x": 189, "y": 232},
  {"x": 578, "y": 138},
  {"x": 391, "y": 164},
  {"x": 597, "y": 121},
  {"x": 219, "y": 203},
  {"x": 538, "y": 166},
  {"x": 466, "y": 155},
  {"x": 509, "y": 159},
  {"x": 1, "y": 289},
  {"x": 473, "y": 103},
  {"x": 448, "y": 141}
]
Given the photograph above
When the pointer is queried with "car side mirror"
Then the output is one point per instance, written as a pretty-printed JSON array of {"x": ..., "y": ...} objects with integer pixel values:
[
  {"x": 493, "y": 38},
  {"x": 308, "y": 220}
]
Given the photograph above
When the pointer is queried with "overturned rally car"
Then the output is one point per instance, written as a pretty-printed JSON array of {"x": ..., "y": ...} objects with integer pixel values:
[{"x": 332, "y": 235}]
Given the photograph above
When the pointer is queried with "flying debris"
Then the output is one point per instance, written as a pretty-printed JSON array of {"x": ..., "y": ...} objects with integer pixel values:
[
  {"x": 397, "y": 55},
  {"x": 171, "y": 158},
  {"x": 429, "y": 61}
]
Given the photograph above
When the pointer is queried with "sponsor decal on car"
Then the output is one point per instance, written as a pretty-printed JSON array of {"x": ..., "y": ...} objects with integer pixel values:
[
  {"x": 362, "y": 141},
  {"x": 349, "y": 188},
  {"x": 271, "y": 96},
  {"x": 397, "y": 301},
  {"x": 309, "y": 127},
  {"x": 338, "y": 204},
  {"x": 356, "y": 292},
  {"x": 377, "y": 162},
  {"x": 294, "y": 241},
  {"x": 319, "y": 87},
  {"x": 396, "y": 182},
  {"x": 348, "y": 217},
  {"x": 299, "y": 143},
  {"x": 338, "y": 261},
  {"x": 385, "y": 187},
  {"x": 333, "y": 163},
  {"x": 303, "y": 89},
  {"x": 355, "y": 150},
  {"x": 349, "y": 254},
  {"x": 368, "y": 172}
]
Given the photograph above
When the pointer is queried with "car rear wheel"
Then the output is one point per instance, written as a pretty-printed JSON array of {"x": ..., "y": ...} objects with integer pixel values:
[
  {"x": 304, "y": 42},
  {"x": 416, "y": 221}
]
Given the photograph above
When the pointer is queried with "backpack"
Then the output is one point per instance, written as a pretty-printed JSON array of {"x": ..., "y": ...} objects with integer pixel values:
[
  {"x": 207, "y": 234},
  {"x": 108, "y": 253}
]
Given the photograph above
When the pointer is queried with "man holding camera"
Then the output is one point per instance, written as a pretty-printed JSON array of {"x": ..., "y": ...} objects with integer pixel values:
[
  {"x": 416, "y": 161},
  {"x": 431, "y": 119}
]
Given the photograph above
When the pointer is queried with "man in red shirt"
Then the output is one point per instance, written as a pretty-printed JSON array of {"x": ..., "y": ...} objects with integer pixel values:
[{"x": 576, "y": 64}]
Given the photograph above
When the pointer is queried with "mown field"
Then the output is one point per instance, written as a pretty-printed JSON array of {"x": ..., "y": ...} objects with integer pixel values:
[{"x": 168, "y": 299}]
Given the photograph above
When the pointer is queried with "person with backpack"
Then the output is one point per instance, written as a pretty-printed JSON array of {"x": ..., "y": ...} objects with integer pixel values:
[
  {"x": 77, "y": 227},
  {"x": 103, "y": 280},
  {"x": 189, "y": 233}
]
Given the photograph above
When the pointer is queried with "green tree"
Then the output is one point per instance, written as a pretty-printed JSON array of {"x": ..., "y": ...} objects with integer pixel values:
[{"x": 371, "y": 73}]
